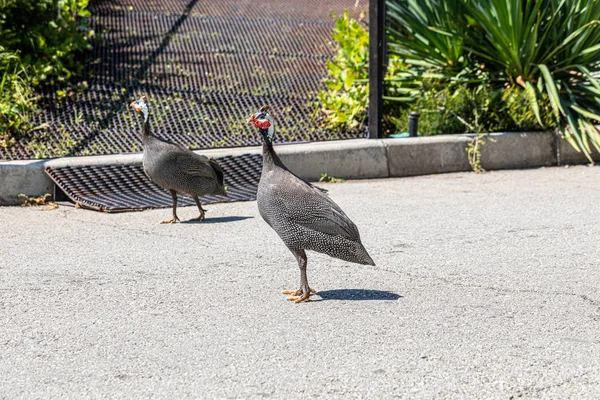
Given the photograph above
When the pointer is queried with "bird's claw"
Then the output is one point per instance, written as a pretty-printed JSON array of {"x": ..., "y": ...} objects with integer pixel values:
[
  {"x": 298, "y": 296},
  {"x": 170, "y": 221},
  {"x": 201, "y": 217},
  {"x": 299, "y": 299}
]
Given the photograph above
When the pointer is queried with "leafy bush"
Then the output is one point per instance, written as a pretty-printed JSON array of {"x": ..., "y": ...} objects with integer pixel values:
[
  {"x": 16, "y": 97},
  {"x": 483, "y": 108},
  {"x": 39, "y": 42},
  {"x": 345, "y": 103},
  {"x": 46, "y": 34},
  {"x": 543, "y": 50}
]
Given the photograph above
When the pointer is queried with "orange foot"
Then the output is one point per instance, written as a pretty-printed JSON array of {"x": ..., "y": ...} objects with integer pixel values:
[
  {"x": 298, "y": 296},
  {"x": 170, "y": 221}
]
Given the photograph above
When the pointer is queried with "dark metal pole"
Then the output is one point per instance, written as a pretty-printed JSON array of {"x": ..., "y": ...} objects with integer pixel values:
[
  {"x": 413, "y": 123},
  {"x": 376, "y": 57}
]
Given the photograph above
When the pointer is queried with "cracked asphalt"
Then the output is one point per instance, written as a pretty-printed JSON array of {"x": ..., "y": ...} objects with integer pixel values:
[{"x": 486, "y": 286}]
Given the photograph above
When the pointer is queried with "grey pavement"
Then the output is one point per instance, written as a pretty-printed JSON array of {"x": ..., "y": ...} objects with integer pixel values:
[{"x": 486, "y": 286}]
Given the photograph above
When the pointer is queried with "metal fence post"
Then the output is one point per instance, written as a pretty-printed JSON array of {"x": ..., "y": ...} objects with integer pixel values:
[{"x": 376, "y": 58}]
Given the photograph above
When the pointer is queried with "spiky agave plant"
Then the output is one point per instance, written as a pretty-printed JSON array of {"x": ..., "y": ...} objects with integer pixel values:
[
  {"x": 550, "y": 46},
  {"x": 429, "y": 36},
  {"x": 428, "y": 33}
]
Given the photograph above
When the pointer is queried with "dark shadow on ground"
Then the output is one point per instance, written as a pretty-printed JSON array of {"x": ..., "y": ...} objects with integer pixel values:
[
  {"x": 217, "y": 220},
  {"x": 357, "y": 294}
]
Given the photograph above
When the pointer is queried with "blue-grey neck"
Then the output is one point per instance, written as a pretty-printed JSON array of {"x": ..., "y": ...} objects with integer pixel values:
[
  {"x": 146, "y": 133},
  {"x": 270, "y": 158}
]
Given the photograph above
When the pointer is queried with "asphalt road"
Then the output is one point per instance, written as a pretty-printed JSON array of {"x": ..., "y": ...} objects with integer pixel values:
[{"x": 485, "y": 287}]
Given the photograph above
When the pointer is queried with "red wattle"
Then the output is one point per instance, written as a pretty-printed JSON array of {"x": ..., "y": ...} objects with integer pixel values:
[{"x": 265, "y": 124}]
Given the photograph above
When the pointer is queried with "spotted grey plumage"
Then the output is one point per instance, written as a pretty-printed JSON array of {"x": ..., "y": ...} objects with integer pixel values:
[
  {"x": 177, "y": 168},
  {"x": 304, "y": 217}
]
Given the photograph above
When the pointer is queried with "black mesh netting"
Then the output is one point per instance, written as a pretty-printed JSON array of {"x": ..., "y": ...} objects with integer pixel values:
[{"x": 204, "y": 66}]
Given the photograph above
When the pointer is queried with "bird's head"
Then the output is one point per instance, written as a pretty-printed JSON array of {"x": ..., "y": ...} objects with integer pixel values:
[
  {"x": 264, "y": 122},
  {"x": 141, "y": 107}
]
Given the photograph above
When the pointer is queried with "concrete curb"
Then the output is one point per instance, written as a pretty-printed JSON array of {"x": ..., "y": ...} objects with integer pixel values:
[
  {"x": 427, "y": 155},
  {"x": 23, "y": 177},
  {"x": 350, "y": 159}
]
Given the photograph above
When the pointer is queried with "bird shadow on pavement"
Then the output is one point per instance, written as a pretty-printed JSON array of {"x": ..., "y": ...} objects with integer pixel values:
[
  {"x": 218, "y": 220},
  {"x": 357, "y": 294}
]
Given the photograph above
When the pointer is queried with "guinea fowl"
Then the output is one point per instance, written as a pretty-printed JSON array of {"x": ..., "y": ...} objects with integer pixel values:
[
  {"x": 303, "y": 216},
  {"x": 177, "y": 168}
]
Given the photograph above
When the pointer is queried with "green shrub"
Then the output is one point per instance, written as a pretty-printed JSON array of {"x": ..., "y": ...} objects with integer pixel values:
[
  {"x": 40, "y": 41},
  {"x": 16, "y": 97},
  {"x": 46, "y": 34},
  {"x": 344, "y": 104},
  {"x": 484, "y": 108}
]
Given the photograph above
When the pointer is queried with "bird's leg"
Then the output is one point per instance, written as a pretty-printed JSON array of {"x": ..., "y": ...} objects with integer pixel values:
[
  {"x": 305, "y": 291},
  {"x": 175, "y": 218},
  {"x": 202, "y": 210}
]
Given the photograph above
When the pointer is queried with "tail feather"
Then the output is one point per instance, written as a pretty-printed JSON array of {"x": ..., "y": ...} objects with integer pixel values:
[
  {"x": 365, "y": 257},
  {"x": 218, "y": 171},
  {"x": 357, "y": 254},
  {"x": 369, "y": 260},
  {"x": 220, "y": 177}
]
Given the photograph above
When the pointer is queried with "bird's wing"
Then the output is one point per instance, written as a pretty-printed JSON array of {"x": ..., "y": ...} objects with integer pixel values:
[
  {"x": 195, "y": 164},
  {"x": 307, "y": 206}
]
